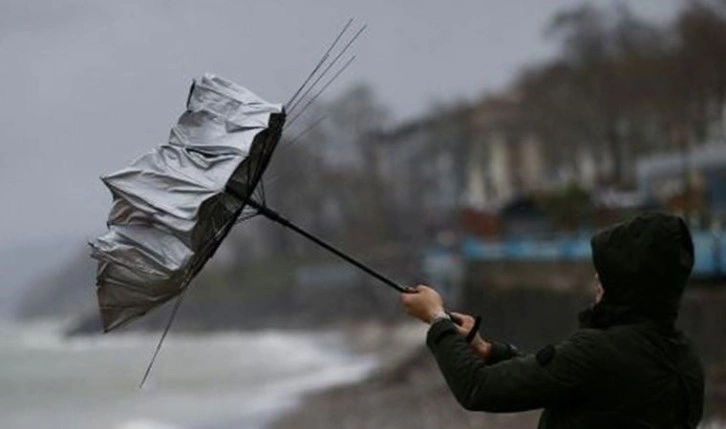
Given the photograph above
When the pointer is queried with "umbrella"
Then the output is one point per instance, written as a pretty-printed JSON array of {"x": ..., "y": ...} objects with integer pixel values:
[{"x": 173, "y": 206}]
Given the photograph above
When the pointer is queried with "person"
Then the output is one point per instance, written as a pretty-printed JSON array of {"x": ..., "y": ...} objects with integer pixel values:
[{"x": 626, "y": 367}]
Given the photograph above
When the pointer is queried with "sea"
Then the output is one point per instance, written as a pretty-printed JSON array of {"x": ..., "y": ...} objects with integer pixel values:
[{"x": 200, "y": 381}]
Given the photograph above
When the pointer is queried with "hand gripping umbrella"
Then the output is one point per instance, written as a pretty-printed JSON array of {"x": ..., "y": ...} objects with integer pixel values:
[{"x": 173, "y": 206}]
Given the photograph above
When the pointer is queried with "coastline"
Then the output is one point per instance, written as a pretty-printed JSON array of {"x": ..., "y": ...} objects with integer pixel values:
[
  {"x": 407, "y": 391},
  {"x": 221, "y": 380}
]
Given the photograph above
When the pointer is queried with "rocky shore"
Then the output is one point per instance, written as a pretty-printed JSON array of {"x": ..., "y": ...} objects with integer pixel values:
[{"x": 407, "y": 391}]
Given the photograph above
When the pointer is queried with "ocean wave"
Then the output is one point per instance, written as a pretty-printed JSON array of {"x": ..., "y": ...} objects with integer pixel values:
[
  {"x": 146, "y": 424},
  {"x": 199, "y": 379}
]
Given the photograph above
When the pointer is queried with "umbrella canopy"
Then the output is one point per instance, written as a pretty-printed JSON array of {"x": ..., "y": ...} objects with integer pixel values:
[{"x": 173, "y": 206}]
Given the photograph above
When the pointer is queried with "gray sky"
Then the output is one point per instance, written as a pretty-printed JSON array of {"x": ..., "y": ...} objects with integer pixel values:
[{"x": 88, "y": 85}]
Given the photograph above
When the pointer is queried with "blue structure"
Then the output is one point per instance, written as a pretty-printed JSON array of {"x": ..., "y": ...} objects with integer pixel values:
[
  {"x": 710, "y": 251},
  {"x": 661, "y": 176}
]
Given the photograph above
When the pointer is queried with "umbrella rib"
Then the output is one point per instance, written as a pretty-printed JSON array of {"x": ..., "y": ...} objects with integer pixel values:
[
  {"x": 272, "y": 179},
  {"x": 306, "y": 130},
  {"x": 288, "y": 143},
  {"x": 297, "y": 115},
  {"x": 209, "y": 244},
  {"x": 329, "y": 66},
  {"x": 260, "y": 168},
  {"x": 246, "y": 217},
  {"x": 320, "y": 63},
  {"x": 259, "y": 191},
  {"x": 177, "y": 304},
  {"x": 192, "y": 272}
]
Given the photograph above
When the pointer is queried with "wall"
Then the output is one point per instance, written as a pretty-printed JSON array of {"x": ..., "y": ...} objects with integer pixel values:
[{"x": 532, "y": 304}]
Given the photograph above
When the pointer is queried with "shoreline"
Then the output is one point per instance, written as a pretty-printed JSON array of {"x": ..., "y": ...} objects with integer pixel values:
[
  {"x": 226, "y": 380},
  {"x": 406, "y": 390}
]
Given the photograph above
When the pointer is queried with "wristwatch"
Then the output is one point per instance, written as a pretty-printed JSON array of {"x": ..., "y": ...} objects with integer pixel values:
[{"x": 441, "y": 315}]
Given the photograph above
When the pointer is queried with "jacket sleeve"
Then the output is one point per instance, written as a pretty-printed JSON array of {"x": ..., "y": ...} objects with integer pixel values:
[
  {"x": 500, "y": 352},
  {"x": 554, "y": 376}
]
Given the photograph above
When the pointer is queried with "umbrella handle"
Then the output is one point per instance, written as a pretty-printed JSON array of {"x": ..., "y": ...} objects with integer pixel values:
[{"x": 276, "y": 217}]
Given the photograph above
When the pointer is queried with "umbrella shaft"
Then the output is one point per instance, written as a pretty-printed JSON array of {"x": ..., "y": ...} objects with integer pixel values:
[{"x": 276, "y": 217}]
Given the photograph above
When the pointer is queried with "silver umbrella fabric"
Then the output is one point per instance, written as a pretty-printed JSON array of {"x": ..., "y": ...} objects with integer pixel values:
[{"x": 173, "y": 206}]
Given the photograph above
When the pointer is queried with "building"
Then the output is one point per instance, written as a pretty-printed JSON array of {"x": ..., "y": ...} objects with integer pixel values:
[
  {"x": 697, "y": 175},
  {"x": 479, "y": 157},
  {"x": 422, "y": 165},
  {"x": 505, "y": 160}
]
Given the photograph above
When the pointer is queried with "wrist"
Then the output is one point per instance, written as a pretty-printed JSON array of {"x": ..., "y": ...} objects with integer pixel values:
[{"x": 437, "y": 315}]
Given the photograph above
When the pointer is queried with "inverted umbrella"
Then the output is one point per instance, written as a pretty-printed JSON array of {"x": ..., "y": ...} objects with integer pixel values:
[{"x": 173, "y": 206}]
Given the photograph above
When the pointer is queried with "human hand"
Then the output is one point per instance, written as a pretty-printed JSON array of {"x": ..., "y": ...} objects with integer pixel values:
[
  {"x": 423, "y": 304},
  {"x": 464, "y": 325}
]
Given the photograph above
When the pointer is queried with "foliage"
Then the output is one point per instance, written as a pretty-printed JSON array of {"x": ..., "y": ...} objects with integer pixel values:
[{"x": 622, "y": 87}]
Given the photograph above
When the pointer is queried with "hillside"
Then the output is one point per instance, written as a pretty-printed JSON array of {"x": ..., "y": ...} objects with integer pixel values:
[
  {"x": 260, "y": 294},
  {"x": 61, "y": 293}
]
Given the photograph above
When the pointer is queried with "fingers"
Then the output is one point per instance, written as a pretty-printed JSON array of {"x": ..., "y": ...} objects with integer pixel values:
[
  {"x": 409, "y": 295},
  {"x": 409, "y": 302},
  {"x": 407, "y": 306},
  {"x": 464, "y": 320},
  {"x": 454, "y": 318},
  {"x": 406, "y": 300},
  {"x": 424, "y": 303},
  {"x": 461, "y": 330}
]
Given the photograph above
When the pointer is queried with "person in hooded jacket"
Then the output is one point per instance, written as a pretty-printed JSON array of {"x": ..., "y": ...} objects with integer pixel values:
[{"x": 626, "y": 367}]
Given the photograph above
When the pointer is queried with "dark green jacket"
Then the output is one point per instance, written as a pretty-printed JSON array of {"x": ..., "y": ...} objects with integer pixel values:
[{"x": 628, "y": 367}]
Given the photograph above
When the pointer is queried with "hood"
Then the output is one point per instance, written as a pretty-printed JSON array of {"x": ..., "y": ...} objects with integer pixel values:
[{"x": 643, "y": 265}]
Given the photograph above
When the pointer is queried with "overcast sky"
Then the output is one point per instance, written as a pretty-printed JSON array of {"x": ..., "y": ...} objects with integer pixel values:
[{"x": 86, "y": 86}]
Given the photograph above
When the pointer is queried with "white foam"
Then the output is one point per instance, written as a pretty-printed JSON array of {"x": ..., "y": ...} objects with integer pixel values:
[
  {"x": 199, "y": 380},
  {"x": 146, "y": 424}
]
